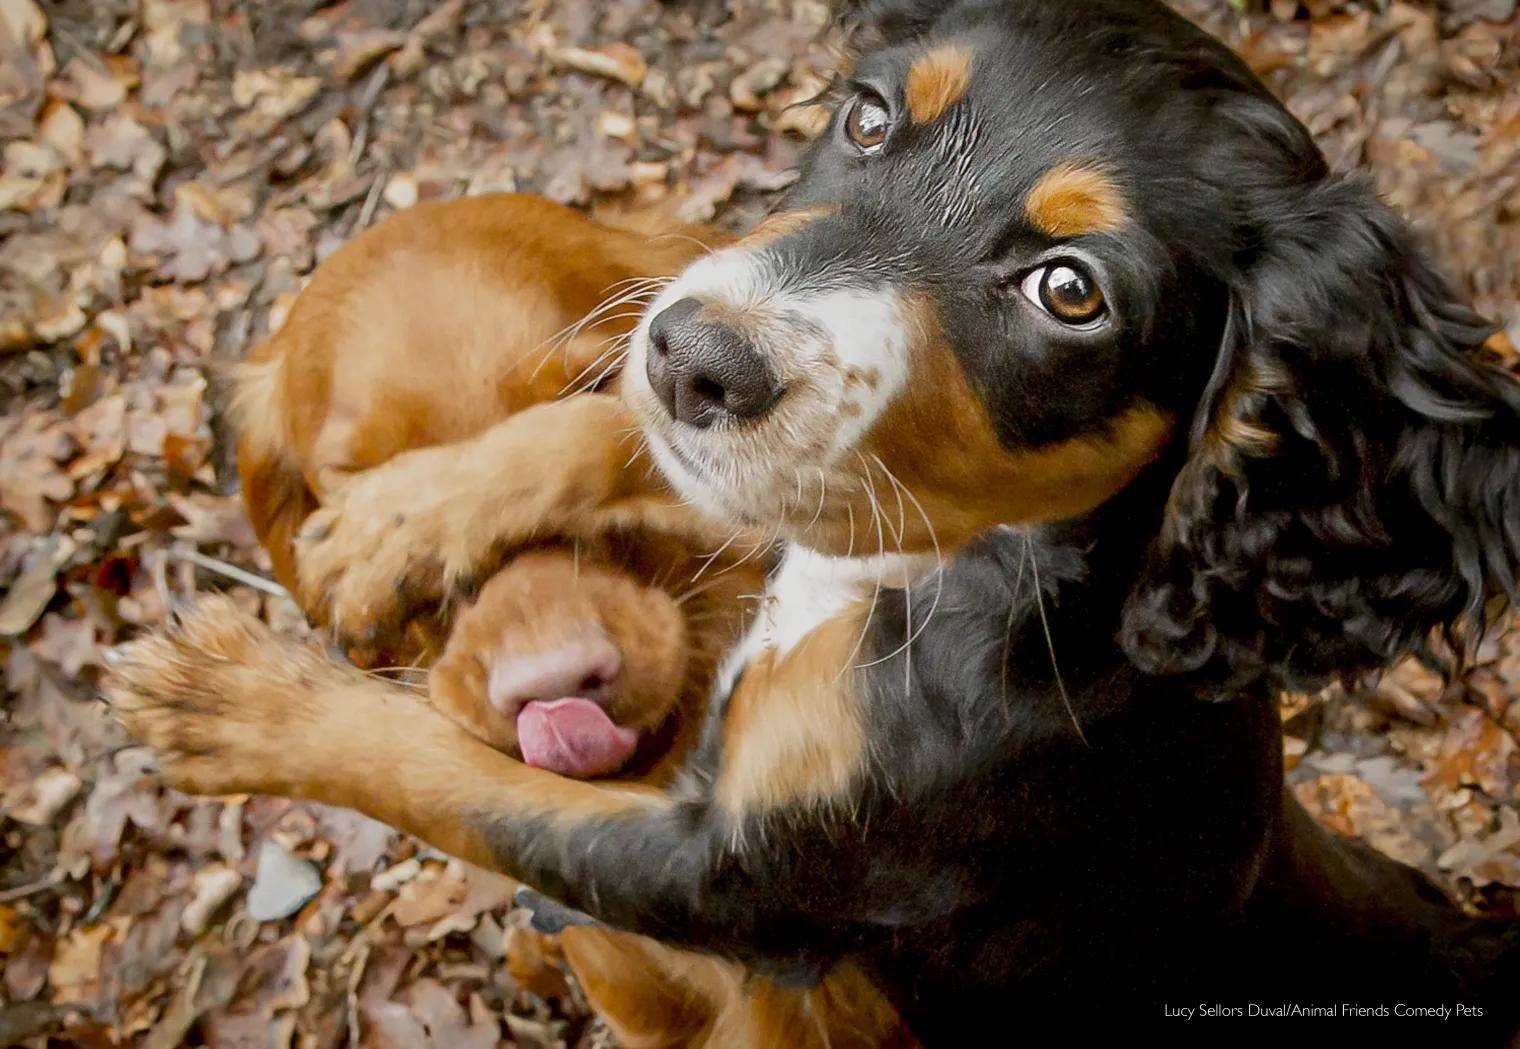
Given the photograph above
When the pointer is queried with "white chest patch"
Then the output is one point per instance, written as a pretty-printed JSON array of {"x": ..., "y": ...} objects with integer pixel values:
[{"x": 808, "y": 590}]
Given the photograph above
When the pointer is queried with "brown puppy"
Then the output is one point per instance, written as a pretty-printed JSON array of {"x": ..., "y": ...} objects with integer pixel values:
[
  {"x": 589, "y": 651},
  {"x": 424, "y": 331}
]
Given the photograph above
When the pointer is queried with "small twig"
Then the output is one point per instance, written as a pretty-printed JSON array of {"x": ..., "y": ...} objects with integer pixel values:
[
  {"x": 371, "y": 201},
  {"x": 355, "y": 977},
  {"x": 233, "y": 572},
  {"x": 21, "y": 892}
]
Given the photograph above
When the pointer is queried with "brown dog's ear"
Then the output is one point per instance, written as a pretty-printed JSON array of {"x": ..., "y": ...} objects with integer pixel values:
[{"x": 1353, "y": 484}]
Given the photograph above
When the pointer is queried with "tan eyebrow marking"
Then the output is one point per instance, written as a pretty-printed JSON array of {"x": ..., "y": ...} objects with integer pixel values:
[
  {"x": 1070, "y": 200},
  {"x": 936, "y": 81}
]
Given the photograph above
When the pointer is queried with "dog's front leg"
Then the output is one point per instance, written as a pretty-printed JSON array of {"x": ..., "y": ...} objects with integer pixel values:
[
  {"x": 233, "y": 708},
  {"x": 410, "y": 533}
]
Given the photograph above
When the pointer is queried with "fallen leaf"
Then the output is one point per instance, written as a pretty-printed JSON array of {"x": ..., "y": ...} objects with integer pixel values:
[
  {"x": 23, "y": 21},
  {"x": 620, "y": 62},
  {"x": 749, "y": 88},
  {"x": 75, "y": 973},
  {"x": 47, "y": 796},
  {"x": 273, "y": 94},
  {"x": 281, "y": 884},
  {"x": 31, "y": 591},
  {"x": 213, "y": 886}
]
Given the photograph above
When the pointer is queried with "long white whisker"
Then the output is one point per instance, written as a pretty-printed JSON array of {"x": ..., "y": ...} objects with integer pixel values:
[
  {"x": 823, "y": 487},
  {"x": 598, "y": 361},
  {"x": 562, "y": 338},
  {"x": 619, "y": 342},
  {"x": 708, "y": 563},
  {"x": 881, "y": 559},
  {"x": 618, "y": 353},
  {"x": 640, "y": 288},
  {"x": 626, "y": 281},
  {"x": 696, "y": 590},
  {"x": 939, "y": 590},
  {"x": 755, "y": 548},
  {"x": 639, "y": 444},
  {"x": 1039, "y": 594},
  {"x": 672, "y": 235},
  {"x": 1013, "y": 598}
]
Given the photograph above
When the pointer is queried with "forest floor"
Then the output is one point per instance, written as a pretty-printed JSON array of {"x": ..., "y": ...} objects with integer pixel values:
[{"x": 172, "y": 171}]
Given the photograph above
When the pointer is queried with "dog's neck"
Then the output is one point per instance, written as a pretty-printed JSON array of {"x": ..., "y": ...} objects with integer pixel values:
[{"x": 808, "y": 589}]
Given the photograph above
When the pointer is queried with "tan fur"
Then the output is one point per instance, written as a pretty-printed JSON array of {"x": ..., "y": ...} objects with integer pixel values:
[
  {"x": 1070, "y": 200},
  {"x": 1231, "y": 436},
  {"x": 936, "y": 81},
  {"x": 793, "y": 726},
  {"x": 944, "y": 450},
  {"x": 844, "y": 1011},
  {"x": 782, "y": 223},
  {"x": 274, "y": 490}
]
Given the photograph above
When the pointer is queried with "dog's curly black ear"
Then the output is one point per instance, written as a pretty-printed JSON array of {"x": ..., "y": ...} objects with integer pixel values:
[{"x": 1353, "y": 483}]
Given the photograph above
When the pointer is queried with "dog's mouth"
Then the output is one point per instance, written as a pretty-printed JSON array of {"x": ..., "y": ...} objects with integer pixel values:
[
  {"x": 667, "y": 446},
  {"x": 573, "y": 736},
  {"x": 703, "y": 485},
  {"x": 562, "y": 699}
]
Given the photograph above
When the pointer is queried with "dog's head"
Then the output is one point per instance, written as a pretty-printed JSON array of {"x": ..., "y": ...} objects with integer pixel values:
[
  {"x": 1043, "y": 246},
  {"x": 595, "y": 657},
  {"x": 568, "y": 660}
]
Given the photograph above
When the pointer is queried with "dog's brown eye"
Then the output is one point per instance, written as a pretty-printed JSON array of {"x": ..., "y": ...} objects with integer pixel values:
[
  {"x": 867, "y": 122},
  {"x": 1066, "y": 291}
]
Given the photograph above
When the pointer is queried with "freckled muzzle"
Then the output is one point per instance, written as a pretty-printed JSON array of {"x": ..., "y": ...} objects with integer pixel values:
[{"x": 753, "y": 383}]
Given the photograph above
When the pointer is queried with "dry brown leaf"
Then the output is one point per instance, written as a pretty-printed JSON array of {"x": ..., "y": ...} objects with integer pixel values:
[
  {"x": 620, "y": 62},
  {"x": 36, "y": 584},
  {"x": 45, "y": 797},
  {"x": 75, "y": 972}
]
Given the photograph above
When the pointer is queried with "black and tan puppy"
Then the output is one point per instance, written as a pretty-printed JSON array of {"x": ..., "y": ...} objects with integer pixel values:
[{"x": 1094, "y": 411}]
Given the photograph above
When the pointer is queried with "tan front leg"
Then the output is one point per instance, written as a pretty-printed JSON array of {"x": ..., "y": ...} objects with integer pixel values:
[
  {"x": 405, "y": 534},
  {"x": 233, "y": 708}
]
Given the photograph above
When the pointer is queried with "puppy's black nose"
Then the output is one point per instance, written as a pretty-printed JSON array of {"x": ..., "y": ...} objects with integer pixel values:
[{"x": 704, "y": 370}]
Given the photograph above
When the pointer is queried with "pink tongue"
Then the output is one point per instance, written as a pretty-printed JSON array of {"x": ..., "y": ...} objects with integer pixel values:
[{"x": 573, "y": 737}]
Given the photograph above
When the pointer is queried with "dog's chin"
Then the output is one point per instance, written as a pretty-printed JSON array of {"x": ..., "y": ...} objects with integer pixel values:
[
  {"x": 747, "y": 495},
  {"x": 689, "y": 482}
]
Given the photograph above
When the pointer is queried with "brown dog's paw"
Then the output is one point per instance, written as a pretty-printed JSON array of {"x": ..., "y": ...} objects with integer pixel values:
[
  {"x": 407, "y": 536},
  {"x": 376, "y": 554},
  {"x": 223, "y": 699}
]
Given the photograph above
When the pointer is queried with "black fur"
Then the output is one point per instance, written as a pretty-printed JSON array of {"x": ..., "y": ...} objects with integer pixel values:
[{"x": 1376, "y": 502}]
